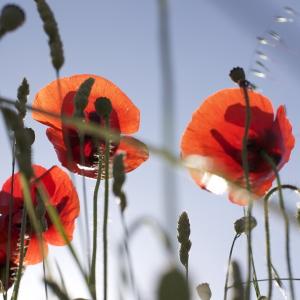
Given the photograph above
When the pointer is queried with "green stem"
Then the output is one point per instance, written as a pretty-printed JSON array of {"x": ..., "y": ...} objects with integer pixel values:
[
  {"x": 22, "y": 254},
  {"x": 95, "y": 226},
  {"x": 45, "y": 281},
  {"x": 228, "y": 264},
  {"x": 267, "y": 279},
  {"x": 248, "y": 186},
  {"x": 85, "y": 205},
  {"x": 255, "y": 284},
  {"x": 105, "y": 217},
  {"x": 268, "y": 246},
  {"x": 130, "y": 265},
  {"x": 286, "y": 220},
  {"x": 10, "y": 209}
]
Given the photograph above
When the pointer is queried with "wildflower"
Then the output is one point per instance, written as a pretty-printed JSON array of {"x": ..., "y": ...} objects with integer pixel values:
[
  {"x": 58, "y": 97},
  {"x": 61, "y": 195},
  {"x": 212, "y": 144}
]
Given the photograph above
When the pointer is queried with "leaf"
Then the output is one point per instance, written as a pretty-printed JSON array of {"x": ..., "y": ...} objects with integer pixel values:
[{"x": 204, "y": 291}]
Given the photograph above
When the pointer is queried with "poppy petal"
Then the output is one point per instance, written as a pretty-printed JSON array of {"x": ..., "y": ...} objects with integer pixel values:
[
  {"x": 217, "y": 128},
  {"x": 282, "y": 130},
  {"x": 34, "y": 254},
  {"x": 135, "y": 152},
  {"x": 66, "y": 202},
  {"x": 51, "y": 98}
]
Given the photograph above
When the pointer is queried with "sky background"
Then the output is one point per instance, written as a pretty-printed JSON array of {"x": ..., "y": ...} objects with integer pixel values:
[{"x": 119, "y": 41}]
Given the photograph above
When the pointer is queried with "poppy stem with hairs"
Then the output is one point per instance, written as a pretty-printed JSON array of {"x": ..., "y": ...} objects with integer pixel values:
[
  {"x": 228, "y": 265},
  {"x": 22, "y": 253},
  {"x": 269, "y": 160},
  {"x": 238, "y": 75},
  {"x": 95, "y": 225},
  {"x": 268, "y": 246},
  {"x": 8, "y": 255},
  {"x": 103, "y": 108}
]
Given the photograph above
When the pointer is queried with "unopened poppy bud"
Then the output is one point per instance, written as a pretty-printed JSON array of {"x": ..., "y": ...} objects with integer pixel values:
[
  {"x": 204, "y": 291},
  {"x": 12, "y": 17},
  {"x": 103, "y": 107},
  {"x": 30, "y": 136},
  {"x": 244, "y": 225},
  {"x": 237, "y": 75}
]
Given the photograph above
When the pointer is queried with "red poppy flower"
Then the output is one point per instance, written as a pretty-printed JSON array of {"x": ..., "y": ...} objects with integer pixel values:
[
  {"x": 212, "y": 144},
  {"x": 124, "y": 119},
  {"x": 14, "y": 252},
  {"x": 61, "y": 194}
]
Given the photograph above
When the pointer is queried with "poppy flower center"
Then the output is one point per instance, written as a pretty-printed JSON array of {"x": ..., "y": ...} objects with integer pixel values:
[
  {"x": 255, "y": 147},
  {"x": 85, "y": 149}
]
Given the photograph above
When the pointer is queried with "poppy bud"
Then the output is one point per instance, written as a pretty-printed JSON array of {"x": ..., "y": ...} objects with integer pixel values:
[
  {"x": 237, "y": 74},
  {"x": 243, "y": 225},
  {"x": 12, "y": 17},
  {"x": 103, "y": 107}
]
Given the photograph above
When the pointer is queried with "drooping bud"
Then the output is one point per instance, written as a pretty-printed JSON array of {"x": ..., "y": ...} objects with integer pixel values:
[
  {"x": 244, "y": 225},
  {"x": 12, "y": 17},
  {"x": 103, "y": 107}
]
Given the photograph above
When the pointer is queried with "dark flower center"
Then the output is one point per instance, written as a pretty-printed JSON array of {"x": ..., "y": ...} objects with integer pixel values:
[
  {"x": 85, "y": 149},
  {"x": 255, "y": 147}
]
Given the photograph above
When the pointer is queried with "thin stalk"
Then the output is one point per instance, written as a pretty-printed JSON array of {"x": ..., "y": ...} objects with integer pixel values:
[
  {"x": 255, "y": 284},
  {"x": 130, "y": 265},
  {"x": 248, "y": 186},
  {"x": 95, "y": 225},
  {"x": 85, "y": 202},
  {"x": 286, "y": 221},
  {"x": 106, "y": 207},
  {"x": 21, "y": 254},
  {"x": 268, "y": 246},
  {"x": 45, "y": 281},
  {"x": 267, "y": 279},
  {"x": 228, "y": 265},
  {"x": 10, "y": 208},
  {"x": 187, "y": 271}
]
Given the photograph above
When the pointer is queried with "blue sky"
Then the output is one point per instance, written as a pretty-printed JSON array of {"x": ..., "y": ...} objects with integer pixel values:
[{"x": 119, "y": 40}]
